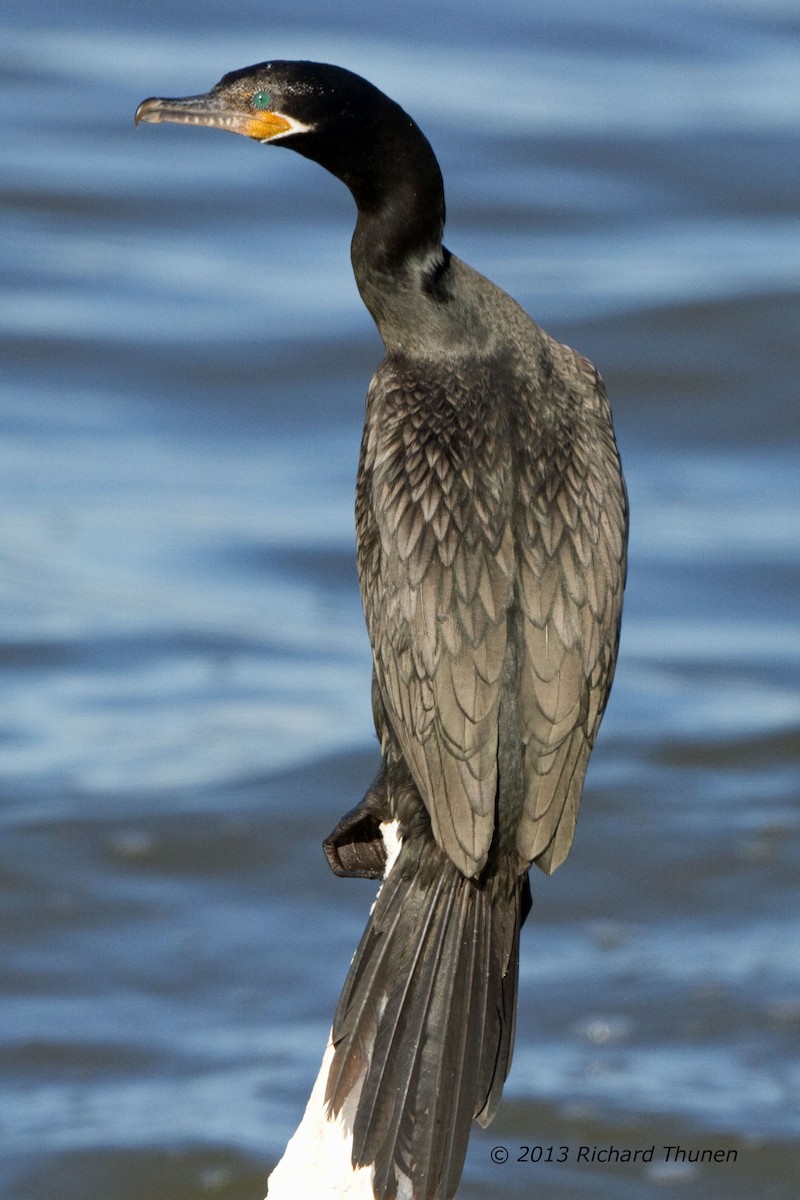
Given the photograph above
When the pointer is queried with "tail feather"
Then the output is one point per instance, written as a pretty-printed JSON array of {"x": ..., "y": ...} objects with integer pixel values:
[
  {"x": 400, "y": 1092},
  {"x": 355, "y": 1024},
  {"x": 501, "y": 1020},
  {"x": 425, "y": 1024},
  {"x": 385, "y": 1095},
  {"x": 443, "y": 1150}
]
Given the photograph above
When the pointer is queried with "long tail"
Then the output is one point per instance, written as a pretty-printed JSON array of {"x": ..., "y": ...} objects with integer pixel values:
[{"x": 424, "y": 1029}]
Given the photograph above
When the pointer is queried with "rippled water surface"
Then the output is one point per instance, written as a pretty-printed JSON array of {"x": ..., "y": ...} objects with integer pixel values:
[{"x": 185, "y": 701}]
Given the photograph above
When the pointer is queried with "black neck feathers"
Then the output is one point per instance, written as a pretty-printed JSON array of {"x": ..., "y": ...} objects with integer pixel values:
[{"x": 386, "y": 161}]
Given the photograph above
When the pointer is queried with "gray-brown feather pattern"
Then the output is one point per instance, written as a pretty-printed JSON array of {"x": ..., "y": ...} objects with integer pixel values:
[
  {"x": 571, "y": 535},
  {"x": 436, "y": 564},
  {"x": 488, "y": 529}
]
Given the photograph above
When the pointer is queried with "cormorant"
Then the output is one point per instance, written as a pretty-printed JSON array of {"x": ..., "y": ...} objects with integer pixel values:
[{"x": 491, "y": 538}]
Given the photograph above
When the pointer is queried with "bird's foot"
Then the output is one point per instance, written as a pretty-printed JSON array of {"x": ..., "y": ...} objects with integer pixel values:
[{"x": 356, "y": 849}]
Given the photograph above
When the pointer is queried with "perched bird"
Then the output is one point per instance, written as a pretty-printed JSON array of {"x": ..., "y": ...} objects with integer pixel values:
[{"x": 491, "y": 538}]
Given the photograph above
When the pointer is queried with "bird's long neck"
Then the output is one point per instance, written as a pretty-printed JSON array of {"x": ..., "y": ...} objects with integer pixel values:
[
  {"x": 397, "y": 256},
  {"x": 399, "y": 192},
  {"x": 396, "y": 250},
  {"x": 392, "y": 173}
]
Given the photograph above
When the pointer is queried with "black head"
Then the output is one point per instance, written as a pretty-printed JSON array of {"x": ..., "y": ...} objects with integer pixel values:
[
  {"x": 348, "y": 126},
  {"x": 324, "y": 112},
  {"x": 267, "y": 101}
]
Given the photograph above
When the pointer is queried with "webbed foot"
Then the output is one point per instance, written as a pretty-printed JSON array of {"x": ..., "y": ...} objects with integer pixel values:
[{"x": 355, "y": 848}]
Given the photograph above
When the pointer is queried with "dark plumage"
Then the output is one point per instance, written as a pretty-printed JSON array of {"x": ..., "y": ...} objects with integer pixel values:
[{"x": 491, "y": 524}]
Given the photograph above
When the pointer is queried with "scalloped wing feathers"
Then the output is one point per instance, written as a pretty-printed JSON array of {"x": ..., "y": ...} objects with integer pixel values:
[
  {"x": 436, "y": 563},
  {"x": 571, "y": 536},
  {"x": 491, "y": 546}
]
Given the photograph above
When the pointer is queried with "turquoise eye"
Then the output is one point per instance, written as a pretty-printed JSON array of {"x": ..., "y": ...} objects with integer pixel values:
[{"x": 261, "y": 100}]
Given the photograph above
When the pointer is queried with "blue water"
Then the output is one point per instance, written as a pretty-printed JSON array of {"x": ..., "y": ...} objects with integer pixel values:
[{"x": 184, "y": 710}]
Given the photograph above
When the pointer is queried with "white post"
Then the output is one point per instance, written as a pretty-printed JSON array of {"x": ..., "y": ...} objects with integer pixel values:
[{"x": 316, "y": 1163}]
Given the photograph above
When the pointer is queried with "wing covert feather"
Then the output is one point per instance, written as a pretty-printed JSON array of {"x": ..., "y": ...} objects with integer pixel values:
[
  {"x": 436, "y": 563},
  {"x": 572, "y": 539}
]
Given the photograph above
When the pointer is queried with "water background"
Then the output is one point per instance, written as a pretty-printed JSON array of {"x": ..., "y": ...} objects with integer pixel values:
[{"x": 184, "y": 710}]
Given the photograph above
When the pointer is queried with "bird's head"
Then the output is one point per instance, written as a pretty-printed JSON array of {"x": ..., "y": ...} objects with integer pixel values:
[
  {"x": 341, "y": 121},
  {"x": 271, "y": 101}
]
